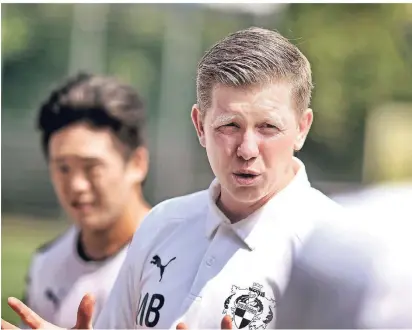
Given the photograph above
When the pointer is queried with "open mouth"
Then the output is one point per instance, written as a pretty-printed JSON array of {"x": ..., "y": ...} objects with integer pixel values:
[
  {"x": 246, "y": 175},
  {"x": 245, "y": 178}
]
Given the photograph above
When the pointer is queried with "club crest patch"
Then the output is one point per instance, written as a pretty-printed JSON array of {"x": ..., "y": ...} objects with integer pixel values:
[{"x": 249, "y": 307}]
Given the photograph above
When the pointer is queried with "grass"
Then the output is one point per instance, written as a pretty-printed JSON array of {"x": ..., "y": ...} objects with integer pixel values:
[{"x": 19, "y": 239}]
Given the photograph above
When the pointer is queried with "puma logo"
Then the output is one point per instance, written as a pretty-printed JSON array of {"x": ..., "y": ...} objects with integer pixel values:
[
  {"x": 158, "y": 262},
  {"x": 50, "y": 295}
]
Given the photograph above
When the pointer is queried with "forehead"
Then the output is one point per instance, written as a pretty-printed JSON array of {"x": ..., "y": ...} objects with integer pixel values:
[
  {"x": 257, "y": 100},
  {"x": 83, "y": 141}
]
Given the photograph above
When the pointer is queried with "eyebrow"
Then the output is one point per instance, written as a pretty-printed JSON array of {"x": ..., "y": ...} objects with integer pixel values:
[
  {"x": 63, "y": 159},
  {"x": 276, "y": 117},
  {"x": 225, "y": 118}
]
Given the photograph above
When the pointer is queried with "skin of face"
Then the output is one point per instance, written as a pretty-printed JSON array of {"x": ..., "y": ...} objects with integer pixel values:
[
  {"x": 251, "y": 130},
  {"x": 92, "y": 178}
]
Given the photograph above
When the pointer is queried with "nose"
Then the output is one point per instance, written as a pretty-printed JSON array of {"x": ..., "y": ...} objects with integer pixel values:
[
  {"x": 248, "y": 148},
  {"x": 79, "y": 183}
]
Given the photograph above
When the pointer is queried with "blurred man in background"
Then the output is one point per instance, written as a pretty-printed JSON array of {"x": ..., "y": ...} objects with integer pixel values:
[{"x": 92, "y": 135}]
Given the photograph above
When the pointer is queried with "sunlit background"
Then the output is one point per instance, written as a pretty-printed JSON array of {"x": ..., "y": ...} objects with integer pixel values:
[{"x": 361, "y": 56}]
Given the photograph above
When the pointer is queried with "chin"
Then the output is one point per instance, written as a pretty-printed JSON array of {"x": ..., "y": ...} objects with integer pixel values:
[
  {"x": 247, "y": 194},
  {"x": 90, "y": 222}
]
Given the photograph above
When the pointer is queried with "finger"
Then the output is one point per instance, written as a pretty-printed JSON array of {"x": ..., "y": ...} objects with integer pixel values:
[
  {"x": 29, "y": 317},
  {"x": 226, "y": 322},
  {"x": 181, "y": 326},
  {"x": 7, "y": 325},
  {"x": 85, "y": 312}
]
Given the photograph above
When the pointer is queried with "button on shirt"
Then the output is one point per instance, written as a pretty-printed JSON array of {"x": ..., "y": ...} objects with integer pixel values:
[{"x": 188, "y": 263}]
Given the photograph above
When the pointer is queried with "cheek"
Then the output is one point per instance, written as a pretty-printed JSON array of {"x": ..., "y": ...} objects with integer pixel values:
[
  {"x": 106, "y": 191},
  {"x": 277, "y": 150},
  {"x": 222, "y": 144},
  {"x": 60, "y": 186},
  {"x": 106, "y": 184},
  {"x": 111, "y": 185}
]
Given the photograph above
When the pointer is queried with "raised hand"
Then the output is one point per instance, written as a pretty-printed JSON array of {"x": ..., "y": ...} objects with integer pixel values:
[{"x": 34, "y": 321}]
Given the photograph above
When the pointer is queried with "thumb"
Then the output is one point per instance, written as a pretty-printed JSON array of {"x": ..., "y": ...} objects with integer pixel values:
[
  {"x": 181, "y": 326},
  {"x": 85, "y": 312},
  {"x": 226, "y": 322}
]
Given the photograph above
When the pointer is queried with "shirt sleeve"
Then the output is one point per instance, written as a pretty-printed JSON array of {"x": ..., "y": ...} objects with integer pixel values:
[{"x": 327, "y": 290}]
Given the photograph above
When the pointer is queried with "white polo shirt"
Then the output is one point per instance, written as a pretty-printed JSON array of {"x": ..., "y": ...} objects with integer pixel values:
[
  {"x": 188, "y": 263},
  {"x": 355, "y": 274},
  {"x": 58, "y": 278}
]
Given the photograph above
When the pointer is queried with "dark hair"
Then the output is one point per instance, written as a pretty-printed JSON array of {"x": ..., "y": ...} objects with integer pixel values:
[
  {"x": 99, "y": 101},
  {"x": 251, "y": 57}
]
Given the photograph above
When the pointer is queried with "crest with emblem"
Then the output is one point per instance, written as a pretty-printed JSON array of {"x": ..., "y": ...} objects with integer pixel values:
[{"x": 249, "y": 307}]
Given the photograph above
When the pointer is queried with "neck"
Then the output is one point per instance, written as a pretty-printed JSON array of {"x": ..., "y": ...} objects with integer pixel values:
[
  {"x": 99, "y": 245},
  {"x": 236, "y": 210}
]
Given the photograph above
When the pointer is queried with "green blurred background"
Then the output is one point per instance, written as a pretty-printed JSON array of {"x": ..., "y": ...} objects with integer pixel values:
[{"x": 361, "y": 57}]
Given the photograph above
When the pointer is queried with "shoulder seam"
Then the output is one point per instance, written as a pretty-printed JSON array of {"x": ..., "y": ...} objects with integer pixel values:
[{"x": 49, "y": 244}]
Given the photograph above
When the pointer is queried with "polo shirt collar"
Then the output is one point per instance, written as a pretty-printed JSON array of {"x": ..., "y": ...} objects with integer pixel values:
[{"x": 268, "y": 214}]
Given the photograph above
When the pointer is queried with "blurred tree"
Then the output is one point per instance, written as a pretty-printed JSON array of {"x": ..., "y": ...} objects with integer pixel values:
[
  {"x": 35, "y": 50},
  {"x": 361, "y": 57},
  {"x": 358, "y": 59}
]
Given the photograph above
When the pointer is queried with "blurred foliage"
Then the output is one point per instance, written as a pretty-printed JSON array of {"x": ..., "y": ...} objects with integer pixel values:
[
  {"x": 35, "y": 55},
  {"x": 361, "y": 56},
  {"x": 20, "y": 237}
]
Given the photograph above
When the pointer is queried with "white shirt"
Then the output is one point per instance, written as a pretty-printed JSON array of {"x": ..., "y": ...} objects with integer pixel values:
[
  {"x": 210, "y": 266},
  {"x": 58, "y": 278},
  {"x": 358, "y": 273},
  {"x": 384, "y": 197}
]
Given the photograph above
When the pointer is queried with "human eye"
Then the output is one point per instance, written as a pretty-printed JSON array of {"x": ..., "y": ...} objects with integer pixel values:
[
  {"x": 229, "y": 127},
  {"x": 93, "y": 168},
  {"x": 62, "y": 168},
  {"x": 269, "y": 128}
]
